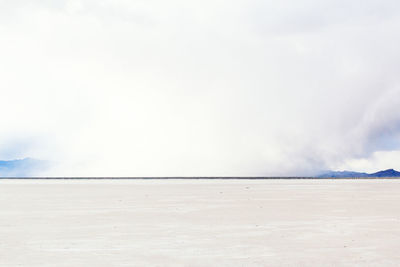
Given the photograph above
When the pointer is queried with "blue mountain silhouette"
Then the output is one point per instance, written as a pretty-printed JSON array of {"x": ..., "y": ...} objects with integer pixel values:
[
  {"x": 343, "y": 174},
  {"x": 21, "y": 167},
  {"x": 386, "y": 173}
]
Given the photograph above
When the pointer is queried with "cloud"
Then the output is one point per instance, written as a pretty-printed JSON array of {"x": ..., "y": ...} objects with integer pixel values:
[
  {"x": 211, "y": 88},
  {"x": 379, "y": 160}
]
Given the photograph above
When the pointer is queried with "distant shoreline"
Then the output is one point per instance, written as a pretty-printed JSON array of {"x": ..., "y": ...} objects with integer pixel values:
[{"x": 196, "y": 178}]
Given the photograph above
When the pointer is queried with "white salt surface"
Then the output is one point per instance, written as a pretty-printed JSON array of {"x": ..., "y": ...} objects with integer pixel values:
[{"x": 200, "y": 223}]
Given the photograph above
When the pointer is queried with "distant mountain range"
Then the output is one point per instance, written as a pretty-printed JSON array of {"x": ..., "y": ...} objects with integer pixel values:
[
  {"x": 21, "y": 167},
  {"x": 343, "y": 174},
  {"x": 31, "y": 167}
]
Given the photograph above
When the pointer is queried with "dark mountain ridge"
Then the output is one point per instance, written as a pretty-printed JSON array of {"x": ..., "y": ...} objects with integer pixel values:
[{"x": 344, "y": 174}]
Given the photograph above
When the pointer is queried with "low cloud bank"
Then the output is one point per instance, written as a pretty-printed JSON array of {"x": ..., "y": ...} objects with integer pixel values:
[{"x": 155, "y": 88}]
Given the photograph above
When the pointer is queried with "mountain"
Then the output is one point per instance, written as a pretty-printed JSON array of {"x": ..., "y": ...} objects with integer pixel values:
[
  {"x": 21, "y": 167},
  {"x": 345, "y": 174},
  {"x": 341, "y": 174},
  {"x": 386, "y": 173}
]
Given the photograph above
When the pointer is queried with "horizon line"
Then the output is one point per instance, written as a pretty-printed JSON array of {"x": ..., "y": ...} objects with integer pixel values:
[{"x": 189, "y": 178}]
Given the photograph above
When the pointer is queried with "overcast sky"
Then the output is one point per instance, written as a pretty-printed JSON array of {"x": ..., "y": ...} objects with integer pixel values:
[{"x": 212, "y": 87}]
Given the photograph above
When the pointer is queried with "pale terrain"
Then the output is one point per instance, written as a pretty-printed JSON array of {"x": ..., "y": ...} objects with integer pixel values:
[{"x": 200, "y": 223}]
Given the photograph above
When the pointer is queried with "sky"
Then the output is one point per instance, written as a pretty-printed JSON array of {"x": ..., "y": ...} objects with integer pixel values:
[{"x": 185, "y": 88}]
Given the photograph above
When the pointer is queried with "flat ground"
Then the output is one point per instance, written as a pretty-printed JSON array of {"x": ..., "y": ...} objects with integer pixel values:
[{"x": 200, "y": 223}]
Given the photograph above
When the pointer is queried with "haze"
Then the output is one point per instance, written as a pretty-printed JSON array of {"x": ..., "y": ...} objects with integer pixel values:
[{"x": 164, "y": 88}]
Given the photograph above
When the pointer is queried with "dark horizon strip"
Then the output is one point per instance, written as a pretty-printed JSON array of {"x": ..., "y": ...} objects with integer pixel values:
[{"x": 192, "y": 178}]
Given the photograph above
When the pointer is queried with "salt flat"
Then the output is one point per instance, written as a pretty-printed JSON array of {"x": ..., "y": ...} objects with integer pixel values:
[{"x": 200, "y": 223}]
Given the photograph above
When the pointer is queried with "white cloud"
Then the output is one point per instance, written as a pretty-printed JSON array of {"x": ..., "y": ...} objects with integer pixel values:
[
  {"x": 208, "y": 88},
  {"x": 379, "y": 160}
]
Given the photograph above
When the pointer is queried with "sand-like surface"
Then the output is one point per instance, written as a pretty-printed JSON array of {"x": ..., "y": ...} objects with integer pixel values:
[{"x": 200, "y": 223}]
